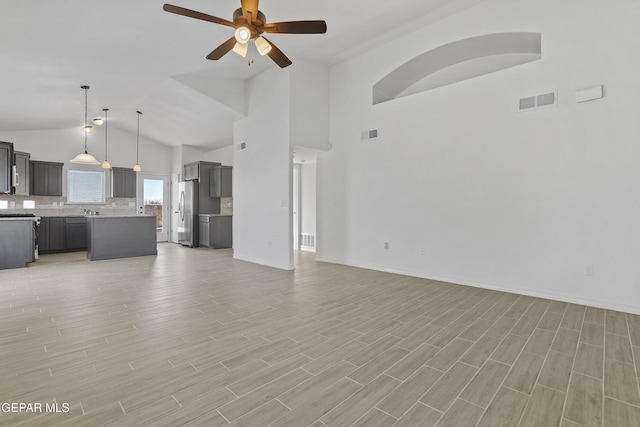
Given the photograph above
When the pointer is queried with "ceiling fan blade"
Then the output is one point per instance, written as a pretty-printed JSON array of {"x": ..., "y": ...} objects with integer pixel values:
[
  {"x": 221, "y": 50},
  {"x": 297, "y": 27},
  {"x": 197, "y": 15},
  {"x": 249, "y": 9},
  {"x": 277, "y": 55}
]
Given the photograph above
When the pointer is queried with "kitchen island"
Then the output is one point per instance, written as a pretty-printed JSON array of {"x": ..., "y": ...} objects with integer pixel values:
[{"x": 115, "y": 236}]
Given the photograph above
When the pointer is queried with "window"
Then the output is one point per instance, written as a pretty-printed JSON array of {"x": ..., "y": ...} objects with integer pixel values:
[{"x": 85, "y": 187}]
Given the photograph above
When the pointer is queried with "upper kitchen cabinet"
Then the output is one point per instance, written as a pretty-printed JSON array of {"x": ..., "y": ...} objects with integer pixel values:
[
  {"x": 123, "y": 181},
  {"x": 220, "y": 181},
  {"x": 45, "y": 178},
  {"x": 198, "y": 171},
  {"x": 191, "y": 171},
  {"x": 6, "y": 163},
  {"x": 21, "y": 182}
]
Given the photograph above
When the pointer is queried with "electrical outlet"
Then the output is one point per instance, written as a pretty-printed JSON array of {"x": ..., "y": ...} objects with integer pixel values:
[
  {"x": 386, "y": 245},
  {"x": 422, "y": 251}
]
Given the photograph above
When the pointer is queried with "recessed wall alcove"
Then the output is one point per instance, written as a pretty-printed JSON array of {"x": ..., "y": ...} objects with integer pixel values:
[{"x": 458, "y": 61}]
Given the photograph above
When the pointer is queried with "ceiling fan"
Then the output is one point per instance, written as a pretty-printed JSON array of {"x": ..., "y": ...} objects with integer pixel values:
[{"x": 249, "y": 24}]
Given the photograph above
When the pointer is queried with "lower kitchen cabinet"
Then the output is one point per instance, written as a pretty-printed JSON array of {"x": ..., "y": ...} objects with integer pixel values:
[
  {"x": 75, "y": 233},
  {"x": 51, "y": 234},
  {"x": 60, "y": 234},
  {"x": 216, "y": 231}
]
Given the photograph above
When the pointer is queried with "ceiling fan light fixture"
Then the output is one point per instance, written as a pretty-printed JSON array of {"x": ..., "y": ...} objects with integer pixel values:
[
  {"x": 243, "y": 34},
  {"x": 263, "y": 46},
  {"x": 241, "y": 48}
]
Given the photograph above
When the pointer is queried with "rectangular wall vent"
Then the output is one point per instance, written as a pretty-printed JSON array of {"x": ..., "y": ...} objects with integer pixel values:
[
  {"x": 369, "y": 134},
  {"x": 308, "y": 240},
  {"x": 242, "y": 145},
  {"x": 538, "y": 101}
]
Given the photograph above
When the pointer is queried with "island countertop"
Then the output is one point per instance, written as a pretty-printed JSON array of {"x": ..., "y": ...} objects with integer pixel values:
[{"x": 101, "y": 216}]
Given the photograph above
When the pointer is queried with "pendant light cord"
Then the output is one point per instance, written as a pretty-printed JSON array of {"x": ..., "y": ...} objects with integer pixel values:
[
  {"x": 138, "y": 139},
  {"x": 106, "y": 129},
  {"x": 85, "y": 118}
]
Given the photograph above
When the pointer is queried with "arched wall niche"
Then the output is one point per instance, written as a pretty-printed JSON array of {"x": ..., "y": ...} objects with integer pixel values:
[{"x": 458, "y": 61}]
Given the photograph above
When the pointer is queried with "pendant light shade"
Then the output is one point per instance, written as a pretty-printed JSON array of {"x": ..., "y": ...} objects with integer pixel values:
[
  {"x": 137, "y": 167},
  {"x": 85, "y": 158},
  {"x": 105, "y": 164}
]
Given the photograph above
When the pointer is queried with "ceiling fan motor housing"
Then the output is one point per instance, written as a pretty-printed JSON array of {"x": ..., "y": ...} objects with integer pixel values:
[{"x": 239, "y": 20}]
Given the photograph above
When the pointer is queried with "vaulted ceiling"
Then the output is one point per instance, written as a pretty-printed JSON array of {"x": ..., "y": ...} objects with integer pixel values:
[{"x": 135, "y": 56}]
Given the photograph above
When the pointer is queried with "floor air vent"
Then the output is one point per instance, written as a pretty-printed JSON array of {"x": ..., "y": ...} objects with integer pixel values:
[{"x": 538, "y": 101}]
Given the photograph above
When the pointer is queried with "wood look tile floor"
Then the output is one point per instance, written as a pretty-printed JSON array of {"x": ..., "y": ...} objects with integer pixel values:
[{"x": 194, "y": 337}]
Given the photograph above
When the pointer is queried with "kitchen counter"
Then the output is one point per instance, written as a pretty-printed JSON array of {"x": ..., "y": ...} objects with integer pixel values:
[{"x": 120, "y": 236}]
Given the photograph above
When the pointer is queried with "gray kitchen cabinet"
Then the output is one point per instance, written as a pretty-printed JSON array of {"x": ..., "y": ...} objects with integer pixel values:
[
  {"x": 204, "y": 231},
  {"x": 45, "y": 178},
  {"x": 191, "y": 171},
  {"x": 21, "y": 160},
  {"x": 123, "y": 182},
  {"x": 16, "y": 244},
  {"x": 198, "y": 171},
  {"x": 59, "y": 234},
  {"x": 6, "y": 163},
  {"x": 75, "y": 233},
  {"x": 216, "y": 231},
  {"x": 51, "y": 234},
  {"x": 220, "y": 181}
]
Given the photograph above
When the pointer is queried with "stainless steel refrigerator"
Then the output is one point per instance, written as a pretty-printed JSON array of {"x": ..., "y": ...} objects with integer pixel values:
[{"x": 188, "y": 210}]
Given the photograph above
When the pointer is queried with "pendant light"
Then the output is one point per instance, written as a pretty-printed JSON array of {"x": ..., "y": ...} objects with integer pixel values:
[
  {"x": 105, "y": 164},
  {"x": 85, "y": 158},
  {"x": 137, "y": 167}
]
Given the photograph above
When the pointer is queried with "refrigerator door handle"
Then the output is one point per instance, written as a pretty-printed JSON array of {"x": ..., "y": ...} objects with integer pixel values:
[{"x": 181, "y": 206}]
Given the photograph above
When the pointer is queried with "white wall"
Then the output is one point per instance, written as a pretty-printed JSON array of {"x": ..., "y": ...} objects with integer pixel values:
[
  {"x": 222, "y": 155},
  {"x": 262, "y": 225},
  {"x": 309, "y": 108},
  {"x": 466, "y": 189}
]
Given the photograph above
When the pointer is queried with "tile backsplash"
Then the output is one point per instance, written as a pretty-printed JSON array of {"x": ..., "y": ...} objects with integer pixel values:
[
  {"x": 226, "y": 205},
  {"x": 56, "y": 206}
]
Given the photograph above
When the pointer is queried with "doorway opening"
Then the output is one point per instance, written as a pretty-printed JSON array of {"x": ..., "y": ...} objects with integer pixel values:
[
  {"x": 153, "y": 200},
  {"x": 304, "y": 199}
]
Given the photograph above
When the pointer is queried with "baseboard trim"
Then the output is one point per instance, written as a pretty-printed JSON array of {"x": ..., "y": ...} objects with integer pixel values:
[{"x": 573, "y": 299}]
